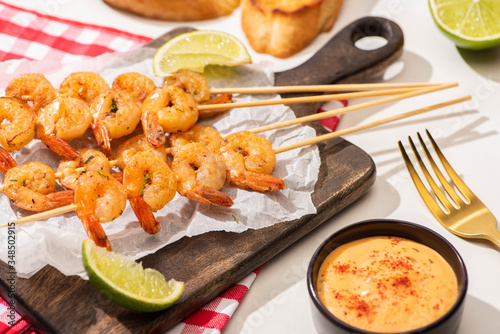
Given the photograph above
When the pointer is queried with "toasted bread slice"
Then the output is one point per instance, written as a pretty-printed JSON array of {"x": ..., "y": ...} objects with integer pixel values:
[
  {"x": 177, "y": 10},
  {"x": 284, "y": 27}
]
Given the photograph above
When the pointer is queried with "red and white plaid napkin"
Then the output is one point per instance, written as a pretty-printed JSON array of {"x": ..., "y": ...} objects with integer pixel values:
[{"x": 32, "y": 35}]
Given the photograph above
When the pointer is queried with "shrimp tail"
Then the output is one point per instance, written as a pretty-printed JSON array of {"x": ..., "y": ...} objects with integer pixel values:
[
  {"x": 118, "y": 176},
  {"x": 153, "y": 130},
  {"x": 258, "y": 182},
  {"x": 59, "y": 199},
  {"x": 219, "y": 99},
  {"x": 209, "y": 196},
  {"x": 6, "y": 161},
  {"x": 101, "y": 134},
  {"x": 53, "y": 201},
  {"x": 96, "y": 232},
  {"x": 144, "y": 215},
  {"x": 60, "y": 147}
]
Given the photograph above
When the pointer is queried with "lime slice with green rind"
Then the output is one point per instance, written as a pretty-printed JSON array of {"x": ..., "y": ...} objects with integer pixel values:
[
  {"x": 196, "y": 49},
  {"x": 126, "y": 282},
  {"x": 470, "y": 24}
]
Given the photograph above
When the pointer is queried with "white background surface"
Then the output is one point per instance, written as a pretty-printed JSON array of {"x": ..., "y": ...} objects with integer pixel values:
[{"x": 468, "y": 134}]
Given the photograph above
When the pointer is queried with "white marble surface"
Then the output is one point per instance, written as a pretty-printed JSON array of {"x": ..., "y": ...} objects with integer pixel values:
[{"x": 468, "y": 134}]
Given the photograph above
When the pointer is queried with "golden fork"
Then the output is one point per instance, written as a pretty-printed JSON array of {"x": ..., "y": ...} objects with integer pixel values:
[{"x": 464, "y": 215}]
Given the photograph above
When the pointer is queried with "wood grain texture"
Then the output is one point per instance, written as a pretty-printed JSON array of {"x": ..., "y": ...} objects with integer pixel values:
[{"x": 55, "y": 303}]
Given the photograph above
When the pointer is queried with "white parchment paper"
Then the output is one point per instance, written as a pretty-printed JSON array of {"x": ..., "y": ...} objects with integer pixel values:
[{"x": 57, "y": 240}]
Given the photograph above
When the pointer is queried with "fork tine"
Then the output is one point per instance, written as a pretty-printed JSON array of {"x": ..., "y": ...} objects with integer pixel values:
[
  {"x": 464, "y": 190},
  {"x": 437, "y": 191},
  {"x": 422, "y": 190},
  {"x": 447, "y": 187}
]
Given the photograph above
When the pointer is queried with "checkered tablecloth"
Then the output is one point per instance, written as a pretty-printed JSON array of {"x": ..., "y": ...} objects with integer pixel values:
[{"x": 32, "y": 35}]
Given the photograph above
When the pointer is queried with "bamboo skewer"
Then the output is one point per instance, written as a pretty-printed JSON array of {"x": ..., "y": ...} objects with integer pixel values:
[
  {"x": 357, "y": 128},
  {"x": 309, "y": 88},
  {"x": 360, "y": 90},
  {"x": 318, "y": 88},
  {"x": 82, "y": 169},
  {"x": 347, "y": 109},
  {"x": 306, "y": 99},
  {"x": 72, "y": 207},
  {"x": 44, "y": 214}
]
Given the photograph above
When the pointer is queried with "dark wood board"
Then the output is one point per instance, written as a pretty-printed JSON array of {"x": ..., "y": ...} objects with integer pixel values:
[{"x": 210, "y": 263}]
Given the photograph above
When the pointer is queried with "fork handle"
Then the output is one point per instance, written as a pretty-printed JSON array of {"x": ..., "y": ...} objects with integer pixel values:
[
  {"x": 493, "y": 235},
  {"x": 490, "y": 233}
]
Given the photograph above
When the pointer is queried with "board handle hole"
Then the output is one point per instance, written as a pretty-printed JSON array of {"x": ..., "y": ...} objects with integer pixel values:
[{"x": 370, "y": 43}]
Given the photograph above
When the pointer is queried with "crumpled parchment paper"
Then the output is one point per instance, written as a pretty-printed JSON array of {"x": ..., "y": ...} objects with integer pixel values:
[{"x": 57, "y": 241}]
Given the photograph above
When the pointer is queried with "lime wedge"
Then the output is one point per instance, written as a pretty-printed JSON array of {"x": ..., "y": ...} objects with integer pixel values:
[
  {"x": 470, "y": 24},
  {"x": 126, "y": 282},
  {"x": 194, "y": 50}
]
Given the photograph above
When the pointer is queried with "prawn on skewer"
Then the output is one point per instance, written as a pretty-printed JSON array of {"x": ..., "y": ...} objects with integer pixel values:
[
  {"x": 196, "y": 85},
  {"x": 134, "y": 145},
  {"x": 19, "y": 129},
  {"x": 203, "y": 134},
  {"x": 65, "y": 118},
  {"x": 116, "y": 115},
  {"x": 150, "y": 185},
  {"x": 33, "y": 88},
  {"x": 218, "y": 99},
  {"x": 83, "y": 85},
  {"x": 137, "y": 85},
  {"x": 99, "y": 198},
  {"x": 192, "y": 82},
  {"x": 250, "y": 160},
  {"x": 91, "y": 159},
  {"x": 201, "y": 173},
  {"x": 31, "y": 186},
  {"x": 167, "y": 109}
]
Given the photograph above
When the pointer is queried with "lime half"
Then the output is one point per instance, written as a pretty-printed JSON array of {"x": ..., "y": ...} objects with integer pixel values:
[
  {"x": 470, "y": 24},
  {"x": 126, "y": 282},
  {"x": 194, "y": 50}
]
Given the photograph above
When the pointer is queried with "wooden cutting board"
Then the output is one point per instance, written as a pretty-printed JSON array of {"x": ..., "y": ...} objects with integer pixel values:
[{"x": 210, "y": 263}]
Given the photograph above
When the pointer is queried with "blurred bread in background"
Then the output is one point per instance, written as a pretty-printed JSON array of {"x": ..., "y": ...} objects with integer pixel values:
[
  {"x": 284, "y": 27},
  {"x": 280, "y": 28},
  {"x": 177, "y": 10}
]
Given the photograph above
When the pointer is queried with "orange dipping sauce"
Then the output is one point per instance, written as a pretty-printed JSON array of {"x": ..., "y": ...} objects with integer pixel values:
[{"x": 386, "y": 284}]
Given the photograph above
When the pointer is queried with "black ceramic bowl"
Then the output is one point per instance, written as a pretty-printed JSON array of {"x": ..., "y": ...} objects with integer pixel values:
[{"x": 325, "y": 322}]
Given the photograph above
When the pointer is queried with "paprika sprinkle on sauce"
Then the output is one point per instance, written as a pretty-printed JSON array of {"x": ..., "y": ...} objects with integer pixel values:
[{"x": 386, "y": 284}]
